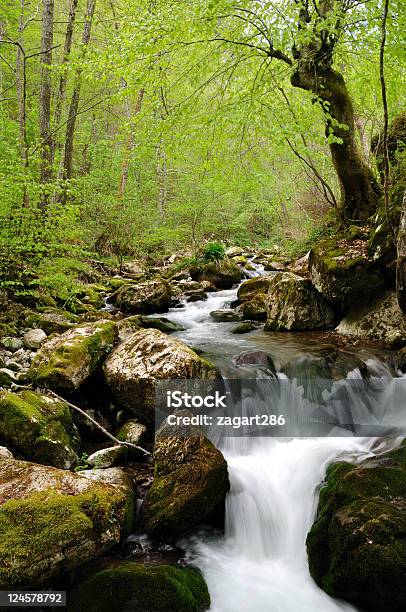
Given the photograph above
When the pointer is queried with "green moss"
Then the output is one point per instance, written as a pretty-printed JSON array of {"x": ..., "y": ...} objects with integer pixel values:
[
  {"x": 151, "y": 589},
  {"x": 39, "y": 427},
  {"x": 48, "y": 521}
]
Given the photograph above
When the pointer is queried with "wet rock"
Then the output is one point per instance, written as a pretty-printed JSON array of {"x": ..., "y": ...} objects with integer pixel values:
[
  {"x": 293, "y": 304},
  {"x": 380, "y": 321},
  {"x": 223, "y": 274},
  {"x": 135, "y": 366},
  {"x": 196, "y": 296},
  {"x": 256, "y": 358},
  {"x": 34, "y": 338},
  {"x": 162, "y": 323},
  {"x": 191, "y": 480},
  {"x": 132, "y": 586},
  {"x": 300, "y": 266},
  {"x": 144, "y": 298},
  {"x": 107, "y": 457},
  {"x": 274, "y": 266},
  {"x": 66, "y": 361},
  {"x": 343, "y": 273},
  {"x": 357, "y": 547},
  {"x": 225, "y": 316},
  {"x": 252, "y": 297},
  {"x": 39, "y": 427},
  {"x": 114, "y": 476},
  {"x": 52, "y": 521},
  {"x": 234, "y": 252},
  {"x": 244, "y": 328}
]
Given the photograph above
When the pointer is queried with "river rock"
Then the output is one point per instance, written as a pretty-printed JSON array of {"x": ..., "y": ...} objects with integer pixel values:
[
  {"x": 293, "y": 304},
  {"x": 66, "y": 361},
  {"x": 162, "y": 323},
  {"x": 252, "y": 297},
  {"x": 343, "y": 273},
  {"x": 196, "y": 296},
  {"x": 144, "y": 298},
  {"x": 234, "y": 252},
  {"x": 5, "y": 453},
  {"x": 223, "y": 274},
  {"x": 11, "y": 343},
  {"x": 226, "y": 316},
  {"x": 191, "y": 480},
  {"x": 244, "y": 328},
  {"x": 52, "y": 520},
  {"x": 132, "y": 431},
  {"x": 39, "y": 427},
  {"x": 34, "y": 338},
  {"x": 381, "y": 321},
  {"x": 357, "y": 546},
  {"x": 135, "y": 366},
  {"x": 256, "y": 358},
  {"x": 107, "y": 457},
  {"x": 7, "y": 377},
  {"x": 114, "y": 476},
  {"x": 53, "y": 320},
  {"x": 132, "y": 586}
]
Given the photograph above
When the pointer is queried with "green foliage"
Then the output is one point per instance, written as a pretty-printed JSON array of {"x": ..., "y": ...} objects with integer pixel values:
[{"x": 213, "y": 252}]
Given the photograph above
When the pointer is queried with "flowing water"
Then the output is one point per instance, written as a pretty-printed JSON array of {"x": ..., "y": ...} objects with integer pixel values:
[{"x": 260, "y": 564}]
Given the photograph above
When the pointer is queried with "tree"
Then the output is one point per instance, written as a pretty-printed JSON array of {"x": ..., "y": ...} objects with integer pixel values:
[{"x": 45, "y": 95}]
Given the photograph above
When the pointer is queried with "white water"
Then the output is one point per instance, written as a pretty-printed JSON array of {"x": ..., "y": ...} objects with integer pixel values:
[{"x": 260, "y": 565}]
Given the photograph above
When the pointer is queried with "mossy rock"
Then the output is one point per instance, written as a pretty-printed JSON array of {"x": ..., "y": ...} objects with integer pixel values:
[
  {"x": 39, "y": 427},
  {"x": 222, "y": 274},
  {"x": 252, "y": 297},
  {"x": 51, "y": 521},
  {"x": 293, "y": 304},
  {"x": 357, "y": 546},
  {"x": 342, "y": 271},
  {"x": 53, "y": 320},
  {"x": 131, "y": 586},
  {"x": 66, "y": 361},
  {"x": 144, "y": 298},
  {"x": 190, "y": 482}
]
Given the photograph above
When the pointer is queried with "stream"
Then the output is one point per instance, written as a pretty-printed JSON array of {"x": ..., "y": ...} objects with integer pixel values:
[{"x": 260, "y": 563}]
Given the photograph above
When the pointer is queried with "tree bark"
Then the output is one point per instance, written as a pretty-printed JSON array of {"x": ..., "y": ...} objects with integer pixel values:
[
  {"x": 60, "y": 96},
  {"x": 21, "y": 87},
  {"x": 45, "y": 95},
  {"x": 314, "y": 72},
  {"x": 125, "y": 166},
  {"x": 401, "y": 259},
  {"x": 74, "y": 104}
]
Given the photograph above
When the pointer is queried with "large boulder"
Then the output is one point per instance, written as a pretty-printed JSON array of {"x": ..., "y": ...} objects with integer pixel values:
[
  {"x": 252, "y": 297},
  {"x": 132, "y": 586},
  {"x": 144, "y": 298},
  {"x": 342, "y": 271},
  {"x": 134, "y": 367},
  {"x": 66, "y": 361},
  {"x": 53, "y": 320},
  {"x": 222, "y": 274},
  {"x": 380, "y": 321},
  {"x": 293, "y": 304},
  {"x": 39, "y": 427},
  {"x": 190, "y": 481},
  {"x": 52, "y": 521},
  {"x": 357, "y": 546}
]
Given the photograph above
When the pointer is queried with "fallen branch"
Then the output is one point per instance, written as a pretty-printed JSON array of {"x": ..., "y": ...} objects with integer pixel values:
[{"x": 106, "y": 433}]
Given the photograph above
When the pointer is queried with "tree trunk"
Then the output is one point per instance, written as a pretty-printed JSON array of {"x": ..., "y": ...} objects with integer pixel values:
[
  {"x": 314, "y": 73},
  {"x": 60, "y": 96},
  {"x": 401, "y": 259},
  {"x": 125, "y": 166},
  {"x": 45, "y": 95},
  {"x": 162, "y": 172},
  {"x": 74, "y": 105},
  {"x": 21, "y": 87}
]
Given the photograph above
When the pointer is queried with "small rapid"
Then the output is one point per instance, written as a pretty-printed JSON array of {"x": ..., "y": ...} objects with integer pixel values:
[{"x": 260, "y": 563}]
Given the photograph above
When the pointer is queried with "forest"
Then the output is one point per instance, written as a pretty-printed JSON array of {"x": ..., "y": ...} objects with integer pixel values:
[{"x": 205, "y": 196}]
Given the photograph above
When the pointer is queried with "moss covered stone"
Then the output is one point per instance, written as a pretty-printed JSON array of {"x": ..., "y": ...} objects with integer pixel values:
[
  {"x": 252, "y": 297},
  {"x": 66, "y": 361},
  {"x": 52, "y": 521},
  {"x": 190, "y": 481},
  {"x": 39, "y": 427},
  {"x": 161, "y": 588},
  {"x": 144, "y": 298},
  {"x": 294, "y": 304},
  {"x": 342, "y": 271},
  {"x": 357, "y": 546},
  {"x": 222, "y": 274},
  {"x": 53, "y": 320}
]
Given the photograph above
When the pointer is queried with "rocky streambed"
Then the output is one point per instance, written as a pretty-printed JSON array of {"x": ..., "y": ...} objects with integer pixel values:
[{"x": 79, "y": 488}]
